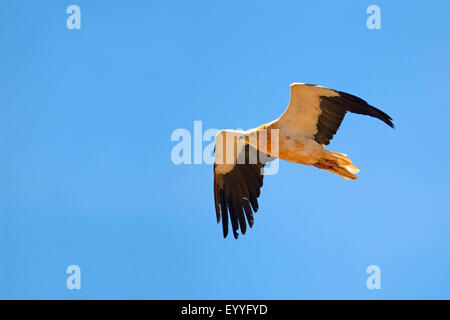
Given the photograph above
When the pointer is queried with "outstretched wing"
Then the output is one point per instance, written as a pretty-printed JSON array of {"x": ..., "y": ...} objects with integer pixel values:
[
  {"x": 237, "y": 187},
  {"x": 318, "y": 112}
]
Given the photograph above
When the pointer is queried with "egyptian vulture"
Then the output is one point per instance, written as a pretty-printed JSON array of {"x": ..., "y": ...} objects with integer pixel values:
[{"x": 310, "y": 121}]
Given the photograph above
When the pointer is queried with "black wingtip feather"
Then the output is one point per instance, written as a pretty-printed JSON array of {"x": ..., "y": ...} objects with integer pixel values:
[
  {"x": 223, "y": 210},
  {"x": 357, "y": 105},
  {"x": 237, "y": 193}
]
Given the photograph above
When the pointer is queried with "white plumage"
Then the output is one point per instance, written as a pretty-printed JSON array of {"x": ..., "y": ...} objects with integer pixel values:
[{"x": 299, "y": 135}]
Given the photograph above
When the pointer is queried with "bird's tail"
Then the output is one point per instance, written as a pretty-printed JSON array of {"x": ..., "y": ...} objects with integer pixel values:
[{"x": 338, "y": 163}]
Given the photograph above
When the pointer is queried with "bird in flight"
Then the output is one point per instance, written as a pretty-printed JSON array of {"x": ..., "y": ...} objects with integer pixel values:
[{"x": 299, "y": 135}]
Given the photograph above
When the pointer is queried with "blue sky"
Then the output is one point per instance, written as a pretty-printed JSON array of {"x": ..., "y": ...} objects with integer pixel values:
[{"x": 86, "y": 176}]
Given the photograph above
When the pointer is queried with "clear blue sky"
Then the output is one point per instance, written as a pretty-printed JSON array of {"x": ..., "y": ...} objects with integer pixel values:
[{"x": 86, "y": 176}]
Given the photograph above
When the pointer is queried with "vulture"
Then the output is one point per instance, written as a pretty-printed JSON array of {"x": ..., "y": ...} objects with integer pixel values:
[{"x": 310, "y": 121}]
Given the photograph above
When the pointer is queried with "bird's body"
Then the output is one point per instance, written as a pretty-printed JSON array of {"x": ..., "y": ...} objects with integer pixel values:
[
  {"x": 310, "y": 121},
  {"x": 293, "y": 146}
]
